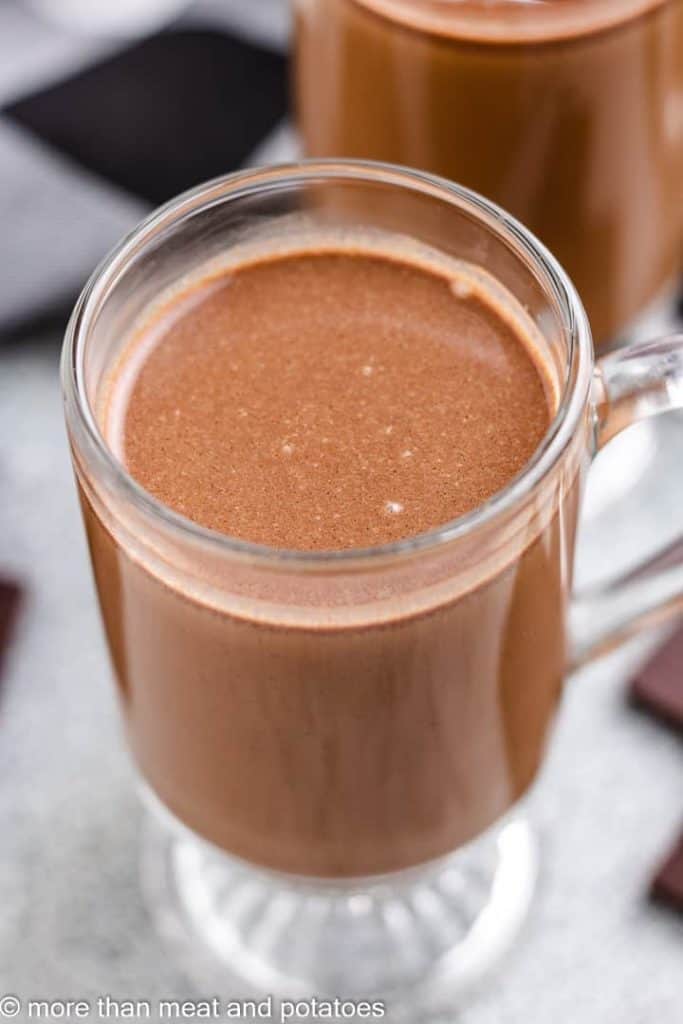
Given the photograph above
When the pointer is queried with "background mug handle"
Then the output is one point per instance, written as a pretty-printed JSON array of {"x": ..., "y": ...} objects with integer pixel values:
[{"x": 630, "y": 385}]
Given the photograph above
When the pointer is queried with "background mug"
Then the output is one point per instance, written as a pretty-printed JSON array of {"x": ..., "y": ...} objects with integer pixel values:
[
  {"x": 567, "y": 114},
  {"x": 336, "y": 747}
]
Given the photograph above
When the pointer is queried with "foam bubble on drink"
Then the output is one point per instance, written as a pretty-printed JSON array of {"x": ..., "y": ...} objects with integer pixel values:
[{"x": 461, "y": 288}]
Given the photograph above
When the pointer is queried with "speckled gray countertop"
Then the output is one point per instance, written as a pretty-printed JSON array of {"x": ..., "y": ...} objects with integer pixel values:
[{"x": 72, "y": 923}]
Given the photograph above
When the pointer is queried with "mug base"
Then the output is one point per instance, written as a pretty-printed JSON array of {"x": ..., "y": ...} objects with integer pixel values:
[{"x": 415, "y": 939}]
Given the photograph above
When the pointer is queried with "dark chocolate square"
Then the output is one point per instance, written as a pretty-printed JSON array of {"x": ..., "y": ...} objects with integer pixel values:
[
  {"x": 667, "y": 885},
  {"x": 658, "y": 688},
  {"x": 10, "y": 595}
]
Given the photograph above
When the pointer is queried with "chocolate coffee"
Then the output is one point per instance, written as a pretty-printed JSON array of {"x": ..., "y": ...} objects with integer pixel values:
[
  {"x": 565, "y": 112},
  {"x": 332, "y": 399}
]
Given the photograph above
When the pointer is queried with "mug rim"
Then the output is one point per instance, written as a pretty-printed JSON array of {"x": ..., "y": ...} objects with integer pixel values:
[{"x": 240, "y": 184}]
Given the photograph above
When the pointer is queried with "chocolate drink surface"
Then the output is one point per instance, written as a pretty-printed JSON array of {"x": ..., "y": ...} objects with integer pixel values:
[
  {"x": 325, "y": 400},
  {"x": 328, "y": 401},
  {"x": 565, "y": 112}
]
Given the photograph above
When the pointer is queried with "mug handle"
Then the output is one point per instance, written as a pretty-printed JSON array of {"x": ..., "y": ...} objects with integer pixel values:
[{"x": 628, "y": 386}]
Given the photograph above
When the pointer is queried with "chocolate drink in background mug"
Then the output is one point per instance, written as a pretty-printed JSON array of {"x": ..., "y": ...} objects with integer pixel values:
[
  {"x": 341, "y": 716},
  {"x": 568, "y": 114}
]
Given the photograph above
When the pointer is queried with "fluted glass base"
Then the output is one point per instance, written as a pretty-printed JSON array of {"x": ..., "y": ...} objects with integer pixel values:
[{"x": 414, "y": 939}]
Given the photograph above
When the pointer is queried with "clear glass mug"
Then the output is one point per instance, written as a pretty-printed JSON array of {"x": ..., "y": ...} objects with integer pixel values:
[
  {"x": 568, "y": 114},
  {"x": 336, "y": 747}
]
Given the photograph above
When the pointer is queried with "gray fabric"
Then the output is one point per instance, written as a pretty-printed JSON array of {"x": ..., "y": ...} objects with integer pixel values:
[
  {"x": 40, "y": 42},
  {"x": 57, "y": 223},
  {"x": 262, "y": 21},
  {"x": 57, "y": 220},
  {"x": 36, "y": 50}
]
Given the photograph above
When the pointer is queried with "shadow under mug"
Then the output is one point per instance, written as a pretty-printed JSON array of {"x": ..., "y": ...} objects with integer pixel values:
[{"x": 338, "y": 744}]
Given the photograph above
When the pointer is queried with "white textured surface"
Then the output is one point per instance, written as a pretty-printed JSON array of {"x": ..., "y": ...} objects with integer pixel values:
[{"x": 71, "y": 919}]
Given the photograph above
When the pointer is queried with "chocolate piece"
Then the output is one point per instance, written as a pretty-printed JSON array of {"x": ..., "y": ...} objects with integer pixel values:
[
  {"x": 667, "y": 885},
  {"x": 10, "y": 595},
  {"x": 659, "y": 686}
]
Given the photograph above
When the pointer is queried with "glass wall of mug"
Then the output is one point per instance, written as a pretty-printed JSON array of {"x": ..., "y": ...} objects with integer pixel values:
[{"x": 570, "y": 115}]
